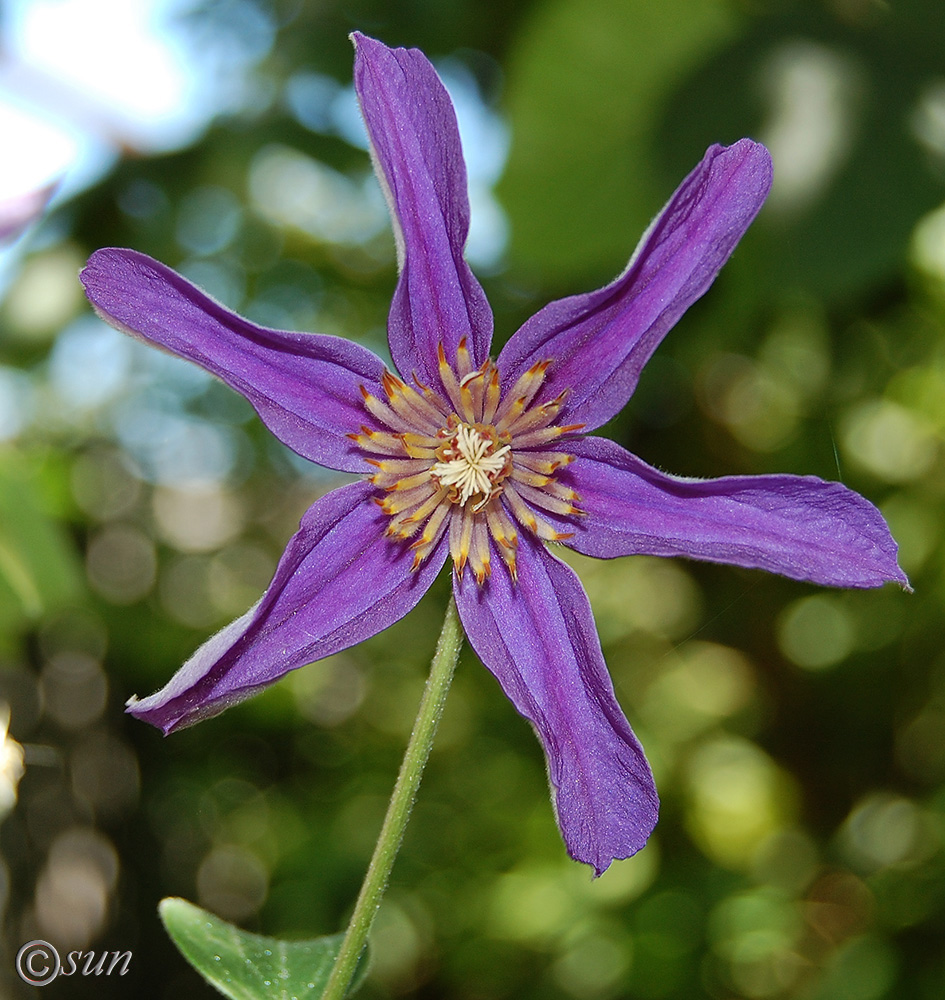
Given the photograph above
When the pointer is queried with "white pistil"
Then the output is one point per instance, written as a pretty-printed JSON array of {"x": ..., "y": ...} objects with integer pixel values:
[{"x": 475, "y": 465}]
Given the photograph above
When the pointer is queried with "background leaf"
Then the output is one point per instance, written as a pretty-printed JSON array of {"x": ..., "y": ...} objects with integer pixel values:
[
  {"x": 845, "y": 105},
  {"x": 39, "y": 570},
  {"x": 586, "y": 85}
]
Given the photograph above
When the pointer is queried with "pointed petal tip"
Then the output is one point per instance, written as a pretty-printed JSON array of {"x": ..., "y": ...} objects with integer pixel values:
[
  {"x": 751, "y": 147},
  {"x": 111, "y": 268},
  {"x": 750, "y": 161},
  {"x": 88, "y": 271},
  {"x": 636, "y": 841},
  {"x": 138, "y": 709},
  {"x": 368, "y": 48},
  {"x": 357, "y": 39},
  {"x": 93, "y": 274},
  {"x": 756, "y": 157},
  {"x": 898, "y": 576},
  {"x": 103, "y": 255}
]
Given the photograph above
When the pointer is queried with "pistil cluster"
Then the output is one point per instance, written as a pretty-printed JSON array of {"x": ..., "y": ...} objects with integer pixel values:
[{"x": 469, "y": 461}]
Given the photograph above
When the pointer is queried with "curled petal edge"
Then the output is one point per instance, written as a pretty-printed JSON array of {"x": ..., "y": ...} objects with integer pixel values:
[{"x": 339, "y": 582}]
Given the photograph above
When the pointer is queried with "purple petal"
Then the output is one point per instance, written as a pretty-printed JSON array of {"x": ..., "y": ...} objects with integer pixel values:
[
  {"x": 419, "y": 162},
  {"x": 799, "y": 526},
  {"x": 599, "y": 342},
  {"x": 338, "y": 582},
  {"x": 305, "y": 386},
  {"x": 539, "y": 639}
]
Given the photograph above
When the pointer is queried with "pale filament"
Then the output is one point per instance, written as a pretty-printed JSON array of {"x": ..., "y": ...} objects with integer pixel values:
[{"x": 474, "y": 469}]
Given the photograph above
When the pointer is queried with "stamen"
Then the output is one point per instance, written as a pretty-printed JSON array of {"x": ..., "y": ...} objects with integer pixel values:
[
  {"x": 410, "y": 405},
  {"x": 432, "y": 532},
  {"x": 526, "y": 387},
  {"x": 394, "y": 503},
  {"x": 433, "y": 528},
  {"x": 502, "y": 529},
  {"x": 538, "y": 416},
  {"x": 523, "y": 475},
  {"x": 467, "y": 398},
  {"x": 545, "y": 462},
  {"x": 427, "y": 508},
  {"x": 544, "y": 436},
  {"x": 463, "y": 361},
  {"x": 564, "y": 492},
  {"x": 431, "y": 397},
  {"x": 448, "y": 378},
  {"x": 385, "y": 414},
  {"x": 536, "y": 525},
  {"x": 493, "y": 392},
  {"x": 521, "y": 510},
  {"x": 511, "y": 414},
  {"x": 370, "y": 440},
  {"x": 546, "y": 499},
  {"x": 407, "y": 483},
  {"x": 479, "y": 558},
  {"x": 419, "y": 445},
  {"x": 461, "y": 525},
  {"x": 396, "y": 467},
  {"x": 508, "y": 557},
  {"x": 408, "y": 522}
]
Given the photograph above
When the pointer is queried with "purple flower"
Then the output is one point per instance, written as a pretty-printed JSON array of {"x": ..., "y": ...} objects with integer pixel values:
[{"x": 488, "y": 461}]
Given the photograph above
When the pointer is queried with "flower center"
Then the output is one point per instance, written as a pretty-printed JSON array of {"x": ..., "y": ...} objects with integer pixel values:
[
  {"x": 469, "y": 461},
  {"x": 473, "y": 463}
]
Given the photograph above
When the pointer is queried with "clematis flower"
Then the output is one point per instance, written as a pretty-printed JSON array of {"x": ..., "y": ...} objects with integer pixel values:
[{"x": 487, "y": 462}]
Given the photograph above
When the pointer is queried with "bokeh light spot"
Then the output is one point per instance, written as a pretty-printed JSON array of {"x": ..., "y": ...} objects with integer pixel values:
[
  {"x": 816, "y": 632},
  {"x": 885, "y": 830},
  {"x": 121, "y": 563},
  {"x": 45, "y": 296},
  {"x": 593, "y": 966},
  {"x": 889, "y": 440},
  {"x": 737, "y": 796},
  {"x": 703, "y": 683},
  {"x": 232, "y": 882}
]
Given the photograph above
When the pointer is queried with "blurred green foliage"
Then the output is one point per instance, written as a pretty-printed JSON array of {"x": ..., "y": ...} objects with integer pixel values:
[{"x": 797, "y": 734}]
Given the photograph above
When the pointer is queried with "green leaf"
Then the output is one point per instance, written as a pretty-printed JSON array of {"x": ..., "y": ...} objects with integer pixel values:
[{"x": 246, "y": 966}]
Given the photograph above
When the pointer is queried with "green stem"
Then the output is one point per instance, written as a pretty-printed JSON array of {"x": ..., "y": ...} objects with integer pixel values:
[{"x": 401, "y": 802}]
